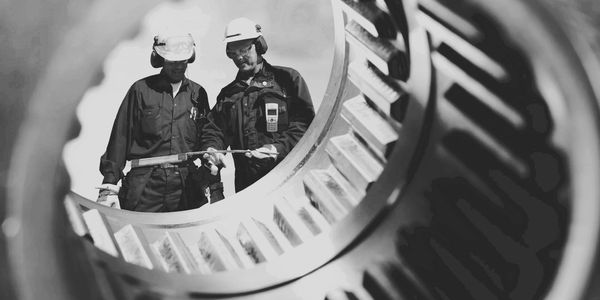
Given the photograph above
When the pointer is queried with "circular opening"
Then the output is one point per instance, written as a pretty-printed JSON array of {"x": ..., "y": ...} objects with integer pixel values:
[
  {"x": 442, "y": 51},
  {"x": 299, "y": 34}
]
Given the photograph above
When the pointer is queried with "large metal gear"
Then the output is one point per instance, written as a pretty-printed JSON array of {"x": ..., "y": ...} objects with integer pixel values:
[{"x": 455, "y": 156}]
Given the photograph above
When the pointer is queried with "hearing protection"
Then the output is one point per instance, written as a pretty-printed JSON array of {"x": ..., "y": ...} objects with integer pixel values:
[{"x": 260, "y": 43}]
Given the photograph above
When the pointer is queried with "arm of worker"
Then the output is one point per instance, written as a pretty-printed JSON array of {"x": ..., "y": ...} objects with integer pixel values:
[
  {"x": 213, "y": 137},
  {"x": 112, "y": 161}
]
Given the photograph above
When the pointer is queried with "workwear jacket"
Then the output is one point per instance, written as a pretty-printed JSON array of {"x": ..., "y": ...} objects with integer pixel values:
[
  {"x": 244, "y": 123},
  {"x": 150, "y": 123}
]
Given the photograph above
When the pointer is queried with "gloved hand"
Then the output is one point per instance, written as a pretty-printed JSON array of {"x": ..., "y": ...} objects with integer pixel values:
[
  {"x": 108, "y": 195},
  {"x": 215, "y": 160},
  {"x": 266, "y": 151}
]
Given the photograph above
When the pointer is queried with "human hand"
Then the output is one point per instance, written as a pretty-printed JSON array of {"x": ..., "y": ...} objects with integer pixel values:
[
  {"x": 266, "y": 151},
  {"x": 215, "y": 160},
  {"x": 108, "y": 195}
]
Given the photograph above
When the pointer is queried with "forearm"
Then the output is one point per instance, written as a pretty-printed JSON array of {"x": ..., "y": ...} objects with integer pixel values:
[
  {"x": 113, "y": 160},
  {"x": 302, "y": 114},
  {"x": 212, "y": 135},
  {"x": 289, "y": 138},
  {"x": 110, "y": 173}
]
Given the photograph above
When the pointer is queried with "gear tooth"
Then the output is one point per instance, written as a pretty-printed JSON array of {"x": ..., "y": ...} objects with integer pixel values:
[
  {"x": 341, "y": 295},
  {"x": 455, "y": 151}
]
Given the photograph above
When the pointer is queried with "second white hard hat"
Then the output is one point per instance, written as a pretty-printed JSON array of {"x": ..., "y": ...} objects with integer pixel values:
[
  {"x": 241, "y": 29},
  {"x": 174, "y": 47}
]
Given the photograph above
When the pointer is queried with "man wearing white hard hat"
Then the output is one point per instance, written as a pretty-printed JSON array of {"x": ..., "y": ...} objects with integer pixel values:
[
  {"x": 161, "y": 115},
  {"x": 266, "y": 109}
]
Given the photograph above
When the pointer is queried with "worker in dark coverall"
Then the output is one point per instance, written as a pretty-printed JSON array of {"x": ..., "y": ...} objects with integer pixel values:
[
  {"x": 266, "y": 108},
  {"x": 162, "y": 114}
]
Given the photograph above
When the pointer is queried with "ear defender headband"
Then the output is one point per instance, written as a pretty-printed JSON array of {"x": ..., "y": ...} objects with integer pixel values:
[
  {"x": 158, "y": 61},
  {"x": 260, "y": 43}
]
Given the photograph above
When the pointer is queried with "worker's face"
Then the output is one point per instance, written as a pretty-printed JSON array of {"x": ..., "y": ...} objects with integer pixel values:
[
  {"x": 243, "y": 53},
  {"x": 175, "y": 70}
]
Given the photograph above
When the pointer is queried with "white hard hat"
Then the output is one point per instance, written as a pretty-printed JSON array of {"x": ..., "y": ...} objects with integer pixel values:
[
  {"x": 241, "y": 29},
  {"x": 174, "y": 47}
]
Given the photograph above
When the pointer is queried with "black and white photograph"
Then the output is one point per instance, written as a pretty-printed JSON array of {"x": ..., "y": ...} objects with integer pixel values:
[{"x": 300, "y": 149}]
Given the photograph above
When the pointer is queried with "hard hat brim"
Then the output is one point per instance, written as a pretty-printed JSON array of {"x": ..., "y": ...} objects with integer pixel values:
[
  {"x": 172, "y": 56},
  {"x": 241, "y": 37}
]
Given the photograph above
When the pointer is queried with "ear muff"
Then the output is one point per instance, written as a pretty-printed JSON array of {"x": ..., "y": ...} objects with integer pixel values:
[
  {"x": 156, "y": 60},
  {"x": 261, "y": 45},
  {"x": 193, "y": 57}
]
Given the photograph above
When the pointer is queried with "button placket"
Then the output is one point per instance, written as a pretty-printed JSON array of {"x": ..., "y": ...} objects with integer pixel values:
[{"x": 172, "y": 123}]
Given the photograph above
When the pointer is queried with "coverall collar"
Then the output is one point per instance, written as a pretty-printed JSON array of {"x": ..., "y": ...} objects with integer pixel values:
[
  {"x": 164, "y": 85},
  {"x": 263, "y": 72}
]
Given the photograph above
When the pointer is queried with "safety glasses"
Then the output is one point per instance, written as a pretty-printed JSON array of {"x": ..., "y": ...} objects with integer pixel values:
[{"x": 232, "y": 53}]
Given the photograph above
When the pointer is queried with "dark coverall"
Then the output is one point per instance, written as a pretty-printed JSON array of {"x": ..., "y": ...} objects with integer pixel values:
[
  {"x": 240, "y": 116},
  {"x": 149, "y": 123}
]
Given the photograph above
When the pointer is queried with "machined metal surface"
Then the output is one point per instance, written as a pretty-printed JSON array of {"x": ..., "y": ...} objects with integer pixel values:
[{"x": 455, "y": 156}]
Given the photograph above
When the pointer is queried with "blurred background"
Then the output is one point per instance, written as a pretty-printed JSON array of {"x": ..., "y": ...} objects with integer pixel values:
[{"x": 299, "y": 34}]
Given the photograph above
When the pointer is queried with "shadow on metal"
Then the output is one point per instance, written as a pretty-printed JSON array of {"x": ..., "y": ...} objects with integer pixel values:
[{"x": 454, "y": 156}]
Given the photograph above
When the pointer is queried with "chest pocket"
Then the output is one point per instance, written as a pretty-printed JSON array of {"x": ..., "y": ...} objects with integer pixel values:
[
  {"x": 150, "y": 120},
  {"x": 227, "y": 110},
  {"x": 273, "y": 110},
  {"x": 227, "y": 107},
  {"x": 193, "y": 119}
]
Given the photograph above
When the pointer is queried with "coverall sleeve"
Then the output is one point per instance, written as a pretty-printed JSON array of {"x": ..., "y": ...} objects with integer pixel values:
[
  {"x": 113, "y": 160},
  {"x": 301, "y": 113},
  {"x": 212, "y": 131},
  {"x": 203, "y": 102}
]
